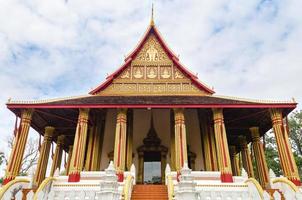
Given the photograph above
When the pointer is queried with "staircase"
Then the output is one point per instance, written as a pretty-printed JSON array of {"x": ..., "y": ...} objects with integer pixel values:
[{"x": 149, "y": 192}]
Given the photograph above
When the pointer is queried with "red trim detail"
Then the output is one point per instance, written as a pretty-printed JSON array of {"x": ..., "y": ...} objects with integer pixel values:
[
  {"x": 181, "y": 147},
  {"x": 226, "y": 178},
  {"x": 75, "y": 177},
  {"x": 296, "y": 182},
  {"x": 110, "y": 78},
  {"x": 120, "y": 176},
  {"x": 293, "y": 105},
  {"x": 223, "y": 147},
  {"x": 7, "y": 180},
  {"x": 119, "y": 145}
]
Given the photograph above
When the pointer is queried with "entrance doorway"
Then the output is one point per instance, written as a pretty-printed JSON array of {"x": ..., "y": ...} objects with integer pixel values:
[
  {"x": 152, "y": 168},
  {"x": 151, "y": 159}
]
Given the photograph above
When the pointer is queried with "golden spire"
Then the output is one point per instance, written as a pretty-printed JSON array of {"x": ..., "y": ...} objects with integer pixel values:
[{"x": 152, "y": 17}]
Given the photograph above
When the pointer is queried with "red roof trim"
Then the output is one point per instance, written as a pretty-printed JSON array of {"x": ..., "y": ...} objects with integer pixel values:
[
  {"x": 111, "y": 77},
  {"x": 152, "y": 29},
  {"x": 289, "y": 105}
]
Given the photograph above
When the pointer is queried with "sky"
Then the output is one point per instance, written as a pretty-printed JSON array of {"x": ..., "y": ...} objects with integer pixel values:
[{"x": 63, "y": 48}]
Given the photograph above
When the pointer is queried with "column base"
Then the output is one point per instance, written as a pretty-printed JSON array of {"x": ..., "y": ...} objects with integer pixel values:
[
  {"x": 120, "y": 176},
  {"x": 226, "y": 178},
  {"x": 297, "y": 182},
  {"x": 7, "y": 180},
  {"x": 74, "y": 177}
]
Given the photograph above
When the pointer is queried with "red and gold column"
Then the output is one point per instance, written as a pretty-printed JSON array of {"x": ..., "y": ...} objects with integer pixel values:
[
  {"x": 79, "y": 146},
  {"x": 44, "y": 156},
  {"x": 67, "y": 167},
  {"x": 222, "y": 146},
  {"x": 286, "y": 156},
  {"x": 181, "y": 156},
  {"x": 120, "y": 143},
  {"x": 259, "y": 157},
  {"x": 234, "y": 161},
  {"x": 246, "y": 157},
  {"x": 129, "y": 147},
  {"x": 16, "y": 156},
  {"x": 57, "y": 158}
]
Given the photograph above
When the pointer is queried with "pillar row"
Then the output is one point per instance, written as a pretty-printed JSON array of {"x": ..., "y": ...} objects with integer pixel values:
[
  {"x": 246, "y": 157},
  {"x": 44, "y": 156},
  {"x": 209, "y": 146},
  {"x": 259, "y": 157},
  {"x": 16, "y": 156},
  {"x": 95, "y": 142},
  {"x": 222, "y": 146},
  {"x": 57, "y": 158},
  {"x": 79, "y": 146},
  {"x": 288, "y": 164},
  {"x": 120, "y": 143}
]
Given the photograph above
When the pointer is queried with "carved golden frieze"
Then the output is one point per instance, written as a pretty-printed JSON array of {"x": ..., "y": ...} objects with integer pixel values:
[
  {"x": 152, "y": 52},
  {"x": 152, "y": 89}
]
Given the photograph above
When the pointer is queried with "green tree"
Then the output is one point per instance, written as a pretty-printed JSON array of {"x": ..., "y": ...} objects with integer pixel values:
[
  {"x": 295, "y": 134},
  {"x": 271, "y": 154}
]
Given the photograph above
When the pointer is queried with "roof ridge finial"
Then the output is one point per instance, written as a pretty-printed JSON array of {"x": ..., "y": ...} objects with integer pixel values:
[{"x": 152, "y": 15}]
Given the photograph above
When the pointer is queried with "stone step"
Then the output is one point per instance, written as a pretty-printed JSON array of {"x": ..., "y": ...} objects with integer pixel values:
[{"x": 149, "y": 192}]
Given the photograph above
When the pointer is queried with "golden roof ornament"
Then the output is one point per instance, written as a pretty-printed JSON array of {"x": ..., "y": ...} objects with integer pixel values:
[{"x": 152, "y": 16}]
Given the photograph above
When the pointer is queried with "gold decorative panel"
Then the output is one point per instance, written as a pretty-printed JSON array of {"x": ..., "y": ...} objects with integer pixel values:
[
  {"x": 152, "y": 72},
  {"x": 152, "y": 52}
]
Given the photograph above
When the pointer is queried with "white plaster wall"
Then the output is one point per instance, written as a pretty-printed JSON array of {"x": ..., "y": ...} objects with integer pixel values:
[
  {"x": 193, "y": 136},
  {"x": 109, "y": 135}
]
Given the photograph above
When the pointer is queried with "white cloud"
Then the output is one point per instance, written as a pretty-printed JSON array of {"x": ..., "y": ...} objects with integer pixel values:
[{"x": 53, "y": 48}]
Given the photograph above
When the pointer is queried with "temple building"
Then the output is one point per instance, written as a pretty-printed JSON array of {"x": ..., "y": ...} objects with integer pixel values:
[{"x": 152, "y": 116}]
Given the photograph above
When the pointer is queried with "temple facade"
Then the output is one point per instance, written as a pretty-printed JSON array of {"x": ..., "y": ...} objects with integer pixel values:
[{"x": 155, "y": 116}]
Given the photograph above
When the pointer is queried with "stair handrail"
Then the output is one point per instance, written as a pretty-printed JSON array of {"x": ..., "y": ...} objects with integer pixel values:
[
  {"x": 128, "y": 187},
  {"x": 6, "y": 187},
  {"x": 170, "y": 187},
  {"x": 287, "y": 182},
  {"x": 257, "y": 186},
  {"x": 288, "y": 189},
  {"x": 43, "y": 185}
]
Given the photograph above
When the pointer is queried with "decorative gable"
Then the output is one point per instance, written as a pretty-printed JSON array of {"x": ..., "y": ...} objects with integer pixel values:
[{"x": 151, "y": 70}]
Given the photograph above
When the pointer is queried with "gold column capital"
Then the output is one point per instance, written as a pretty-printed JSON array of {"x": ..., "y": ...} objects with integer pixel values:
[
  {"x": 26, "y": 115},
  {"x": 242, "y": 142},
  {"x": 276, "y": 116},
  {"x": 217, "y": 115},
  {"x": 255, "y": 133},
  {"x": 49, "y": 130},
  {"x": 232, "y": 150},
  {"x": 60, "y": 140},
  {"x": 178, "y": 110},
  {"x": 122, "y": 111}
]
